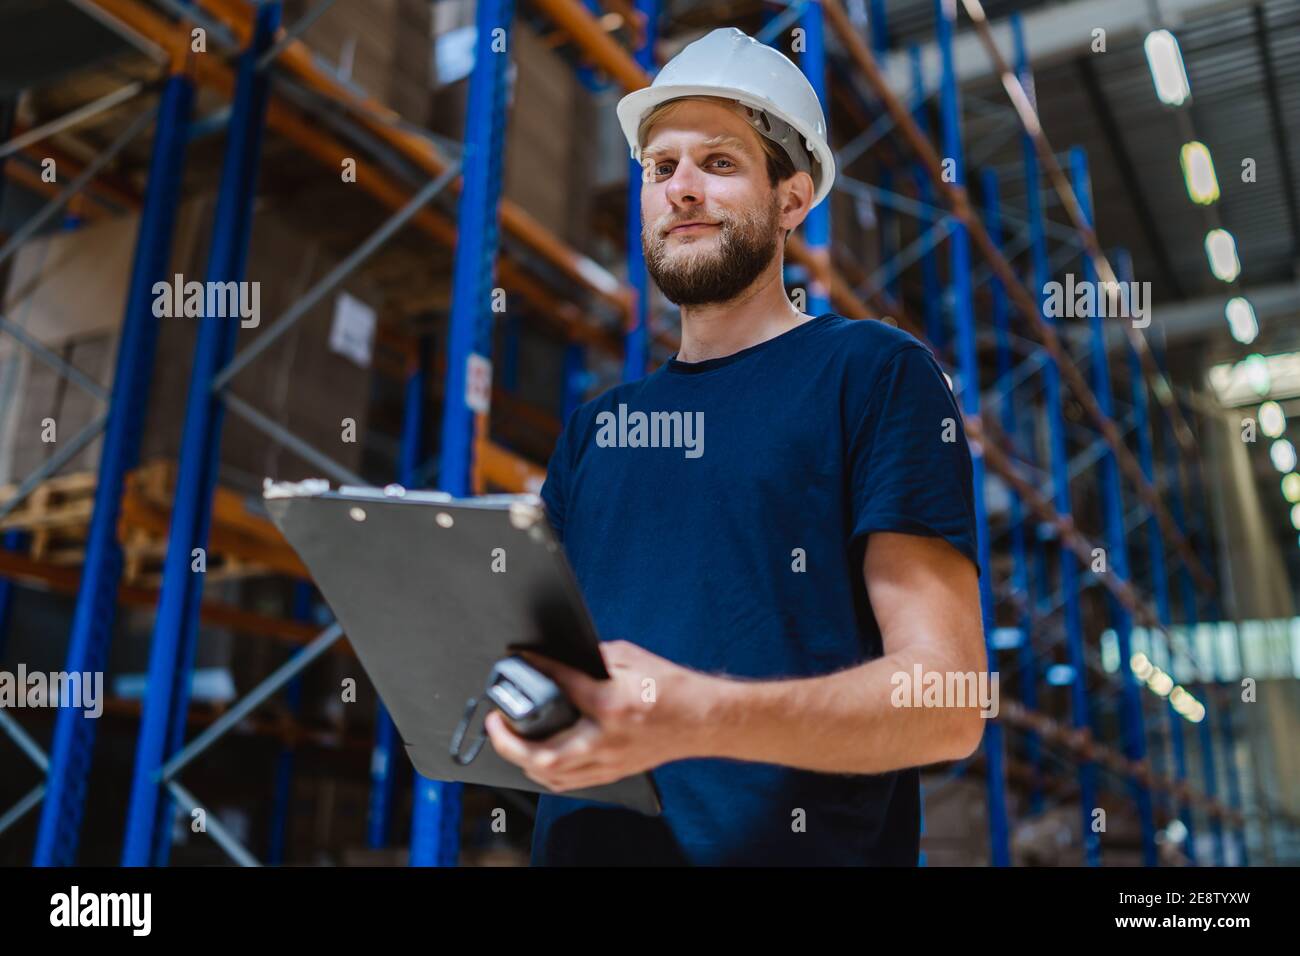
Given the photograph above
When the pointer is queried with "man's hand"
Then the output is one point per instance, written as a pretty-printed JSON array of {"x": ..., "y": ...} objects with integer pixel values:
[
  {"x": 925, "y": 595},
  {"x": 650, "y": 712}
]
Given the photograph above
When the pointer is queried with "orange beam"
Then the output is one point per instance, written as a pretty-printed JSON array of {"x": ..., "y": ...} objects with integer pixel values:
[
  {"x": 30, "y": 179},
  {"x": 102, "y": 192},
  {"x": 601, "y": 49},
  {"x": 103, "y": 185}
]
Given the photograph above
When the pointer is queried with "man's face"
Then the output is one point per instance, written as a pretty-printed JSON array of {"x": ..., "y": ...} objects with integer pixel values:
[{"x": 704, "y": 166}]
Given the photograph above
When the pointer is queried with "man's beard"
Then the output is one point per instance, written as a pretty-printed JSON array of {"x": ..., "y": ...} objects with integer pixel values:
[{"x": 714, "y": 272}]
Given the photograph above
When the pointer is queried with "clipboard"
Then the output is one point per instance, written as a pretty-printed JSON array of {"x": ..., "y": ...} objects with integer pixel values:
[{"x": 432, "y": 591}]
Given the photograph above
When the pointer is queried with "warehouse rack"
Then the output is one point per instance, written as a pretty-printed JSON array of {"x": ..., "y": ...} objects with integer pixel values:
[{"x": 1038, "y": 363}]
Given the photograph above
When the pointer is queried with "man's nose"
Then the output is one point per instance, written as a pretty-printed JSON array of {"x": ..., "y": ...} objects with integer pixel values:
[{"x": 686, "y": 186}]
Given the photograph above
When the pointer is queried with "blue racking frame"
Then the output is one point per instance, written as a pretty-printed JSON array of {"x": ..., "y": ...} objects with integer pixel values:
[{"x": 1039, "y": 526}]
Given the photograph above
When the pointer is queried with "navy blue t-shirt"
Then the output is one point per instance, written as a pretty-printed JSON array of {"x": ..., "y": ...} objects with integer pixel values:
[{"x": 729, "y": 539}]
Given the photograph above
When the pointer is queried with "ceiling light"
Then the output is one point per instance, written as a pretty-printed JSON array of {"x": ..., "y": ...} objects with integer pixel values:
[
  {"x": 1255, "y": 378},
  {"x": 1198, "y": 173},
  {"x": 1282, "y": 452},
  {"x": 1241, "y": 319},
  {"x": 1272, "y": 420},
  {"x": 1167, "y": 72},
  {"x": 1257, "y": 374},
  {"x": 1221, "y": 250}
]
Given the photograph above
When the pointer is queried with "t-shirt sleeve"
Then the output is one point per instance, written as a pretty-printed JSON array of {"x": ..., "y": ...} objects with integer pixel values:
[
  {"x": 910, "y": 463},
  {"x": 555, "y": 488}
]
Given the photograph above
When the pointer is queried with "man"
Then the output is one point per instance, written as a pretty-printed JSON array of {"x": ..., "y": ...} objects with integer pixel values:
[{"x": 794, "y": 531}]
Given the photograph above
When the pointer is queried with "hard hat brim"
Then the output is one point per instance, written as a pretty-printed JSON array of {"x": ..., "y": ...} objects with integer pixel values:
[{"x": 633, "y": 107}]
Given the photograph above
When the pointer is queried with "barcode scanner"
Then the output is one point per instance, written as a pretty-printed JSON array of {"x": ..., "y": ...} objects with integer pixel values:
[{"x": 533, "y": 705}]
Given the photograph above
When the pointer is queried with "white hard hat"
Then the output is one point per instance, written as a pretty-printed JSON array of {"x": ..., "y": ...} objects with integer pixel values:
[{"x": 731, "y": 64}]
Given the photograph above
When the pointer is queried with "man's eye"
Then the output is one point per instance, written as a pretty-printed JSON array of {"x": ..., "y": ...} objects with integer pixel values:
[
  {"x": 722, "y": 159},
  {"x": 663, "y": 169}
]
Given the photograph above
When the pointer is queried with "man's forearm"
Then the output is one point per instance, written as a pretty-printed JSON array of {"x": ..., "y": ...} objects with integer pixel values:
[{"x": 840, "y": 723}]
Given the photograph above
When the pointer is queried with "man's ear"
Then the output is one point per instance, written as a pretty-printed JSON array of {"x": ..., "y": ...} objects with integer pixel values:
[{"x": 796, "y": 200}]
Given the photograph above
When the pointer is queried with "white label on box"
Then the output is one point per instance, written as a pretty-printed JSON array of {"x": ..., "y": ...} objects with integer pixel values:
[
  {"x": 478, "y": 383},
  {"x": 353, "y": 331}
]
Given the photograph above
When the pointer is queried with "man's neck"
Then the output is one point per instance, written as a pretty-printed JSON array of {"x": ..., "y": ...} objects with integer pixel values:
[{"x": 761, "y": 312}]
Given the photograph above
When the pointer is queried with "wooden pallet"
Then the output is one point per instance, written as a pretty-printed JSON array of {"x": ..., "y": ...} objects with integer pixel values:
[
  {"x": 57, "y": 517},
  {"x": 56, "y": 514}
]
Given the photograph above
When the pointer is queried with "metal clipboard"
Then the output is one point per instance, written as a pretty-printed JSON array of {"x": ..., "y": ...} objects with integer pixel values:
[{"x": 410, "y": 577}]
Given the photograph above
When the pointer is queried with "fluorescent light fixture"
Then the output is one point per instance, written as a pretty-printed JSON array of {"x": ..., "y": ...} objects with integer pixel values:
[
  {"x": 1198, "y": 173},
  {"x": 1241, "y": 319},
  {"x": 1256, "y": 377},
  {"x": 1167, "y": 72},
  {"x": 1272, "y": 420},
  {"x": 1257, "y": 373},
  {"x": 1291, "y": 487},
  {"x": 1282, "y": 452},
  {"x": 1295, "y": 517},
  {"x": 1221, "y": 250}
]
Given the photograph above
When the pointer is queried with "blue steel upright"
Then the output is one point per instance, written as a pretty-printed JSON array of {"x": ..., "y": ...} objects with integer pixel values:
[
  {"x": 282, "y": 793},
  {"x": 931, "y": 291},
  {"x": 575, "y": 379},
  {"x": 879, "y": 27},
  {"x": 1060, "y": 470},
  {"x": 1026, "y": 663},
  {"x": 1191, "y": 618},
  {"x": 435, "y": 820},
  {"x": 817, "y": 225},
  {"x": 636, "y": 339},
  {"x": 383, "y": 762},
  {"x": 92, "y": 626},
  {"x": 9, "y": 541},
  {"x": 1201, "y": 506},
  {"x": 1159, "y": 572},
  {"x": 172, "y": 652},
  {"x": 587, "y": 76},
  {"x": 1116, "y": 541},
  {"x": 968, "y": 362},
  {"x": 886, "y": 221}
]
